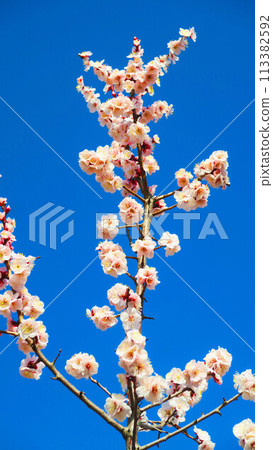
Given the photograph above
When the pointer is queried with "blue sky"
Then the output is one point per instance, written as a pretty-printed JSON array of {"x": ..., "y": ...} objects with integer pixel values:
[{"x": 212, "y": 83}]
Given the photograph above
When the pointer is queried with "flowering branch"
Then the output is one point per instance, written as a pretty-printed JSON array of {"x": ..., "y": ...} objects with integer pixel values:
[
  {"x": 131, "y": 151},
  {"x": 194, "y": 422},
  {"x": 79, "y": 394}
]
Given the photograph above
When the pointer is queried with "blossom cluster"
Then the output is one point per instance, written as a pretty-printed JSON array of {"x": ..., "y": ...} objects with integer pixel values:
[
  {"x": 113, "y": 259},
  {"x": 245, "y": 432},
  {"x": 186, "y": 387},
  {"x": 82, "y": 365},
  {"x": 214, "y": 169},
  {"x": 204, "y": 439},
  {"x": 125, "y": 115},
  {"x": 17, "y": 305},
  {"x": 245, "y": 383}
]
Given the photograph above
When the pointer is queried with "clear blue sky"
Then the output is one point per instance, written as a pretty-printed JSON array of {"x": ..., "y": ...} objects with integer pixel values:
[{"x": 209, "y": 87}]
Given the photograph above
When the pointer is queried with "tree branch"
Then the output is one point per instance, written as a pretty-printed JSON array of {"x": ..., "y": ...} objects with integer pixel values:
[
  {"x": 195, "y": 422},
  {"x": 100, "y": 386},
  {"x": 164, "y": 210},
  {"x": 58, "y": 376},
  {"x": 134, "y": 193}
]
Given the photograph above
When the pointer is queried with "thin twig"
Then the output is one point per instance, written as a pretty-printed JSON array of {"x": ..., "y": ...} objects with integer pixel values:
[
  {"x": 164, "y": 210},
  {"x": 134, "y": 193},
  {"x": 132, "y": 278},
  {"x": 10, "y": 333},
  {"x": 100, "y": 386},
  {"x": 54, "y": 361}
]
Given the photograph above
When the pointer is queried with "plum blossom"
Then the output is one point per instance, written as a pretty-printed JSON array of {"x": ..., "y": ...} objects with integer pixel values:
[
  {"x": 108, "y": 226},
  {"x": 3, "y": 278},
  {"x": 245, "y": 383},
  {"x": 152, "y": 388},
  {"x": 33, "y": 307},
  {"x": 150, "y": 164},
  {"x": 183, "y": 177},
  {"x": 82, "y": 365},
  {"x": 148, "y": 276},
  {"x": 196, "y": 371},
  {"x": 188, "y": 33},
  {"x": 245, "y": 432},
  {"x": 131, "y": 319},
  {"x": 214, "y": 169},
  {"x": 171, "y": 242},
  {"x": 117, "y": 408},
  {"x": 192, "y": 196},
  {"x": 175, "y": 376},
  {"x": 31, "y": 368},
  {"x": 159, "y": 206},
  {"x": 137, "y": 133},
  {"x": 102, "y": 317},
  {"x": 28, "y": 328},
  {"x": 10, "y": 302},
  {"x": 218, "y": 363},
  {"x": 175, "y": 408},
  {"x": 120, "y": 296},
  {"x": 5, "y": 253},
  {"x": 204, "y": 440},
  {"x": 131, "y": 212},
  {"x": 144, "y": 247},
  {"x": 21, "y": 264},
  {"x": 113, "y": 260},
  {"x": 133, "y": 358}
]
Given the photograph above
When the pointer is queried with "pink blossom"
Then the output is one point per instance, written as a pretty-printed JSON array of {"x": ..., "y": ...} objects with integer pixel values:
[
  {"x": 193, "y": 196},
  {"x": 3, "y": 277},
  {"x": 131, "y": 319},
  {"x": 102, "y": 317},
  {"x": 5, "y": 253},
  {"x": 175, "y": 408},
  {"x": 21, "y": 264},
  {"x": 218, "y": 363},
  {"x": 34, "y": 307},
  {"x": 137, "y": 133},
  {"x": 117, "y": 408},
  {"x": 183, "y": 177},
  {"x": 152, "y": 388},
  {"x": 121, "y": 296},
  {"x": 159, "y": 206},
  {"x": 245, "y": 383},
  {"x": 144, "y": 247},
  {"x": 214, "y": 169},
  {"x": 204, "y": 440},
  {"x": 30, "y": 368},
  {"x": 196, "y": 371},
  {"x": 130, "y": 211},
  {"x": 171, "y": 242},
  {"x": 82, "y": 365},
  {"x": 108, "y": 226},
  {"x": 150, "y": 164},
  {"x": 245, "y": 432},
  {"x": 148, "y": 276}
]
